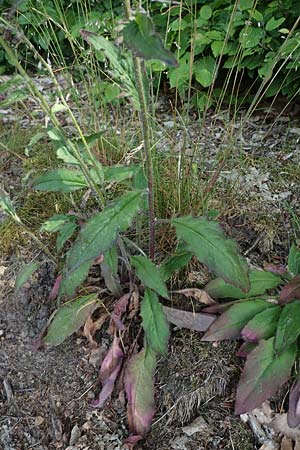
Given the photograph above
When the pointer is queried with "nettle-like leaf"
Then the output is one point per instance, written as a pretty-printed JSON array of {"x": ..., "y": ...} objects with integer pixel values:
[
  {"x": 109, "y": 370},
  {"x": 185, "y": 319},
  {"x": 265, "y": 371},
  {"x": 294, "y": 260},
  {"x": 207, "y": 242},
  {"x": 232, "y": 321},
  {"x": 96, "y": 237},
  {"x": 260, "y": 281},
  {"x": 140, "y": 37},
  {"x": 291, "y": 291},
  {"x": 139, "y": 387},
  {"x": 69, "y": 318},
  {"x": 154, "y": 322},
  {"x": 262, "y": 326},
  {"x": 288, "y": 328},
  {"x": 60, "y": 180},
  {"x": 150, "y": 275},
  {"x": 24, "y": 275}
]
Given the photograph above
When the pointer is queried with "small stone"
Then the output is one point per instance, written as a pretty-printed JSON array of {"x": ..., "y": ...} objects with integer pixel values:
[{"x": 39, "y": 420}]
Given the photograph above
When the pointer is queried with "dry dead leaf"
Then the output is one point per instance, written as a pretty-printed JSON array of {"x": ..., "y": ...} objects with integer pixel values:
[
  {"x": 91, "y": 326},
  {"x": 186, "y": 319},
  {"x": 197, "y": 294},
  {"x": 286, "y": 444},
  {"x": 280, "y": 425},
  {"x": 134, "y": 304}
]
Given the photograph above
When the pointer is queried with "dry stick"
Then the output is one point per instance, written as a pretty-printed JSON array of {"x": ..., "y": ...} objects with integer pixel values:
[{"x": 138, "y": 69}]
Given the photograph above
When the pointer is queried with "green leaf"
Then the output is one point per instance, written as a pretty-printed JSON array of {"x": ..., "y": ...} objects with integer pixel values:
[
  {"x": 232, "y": 321},
  {"x": 206, "y": 12},
  {"x": 288, "y": 328},
  {"x": 260, "y": 281},
  {"x": 245, "y": 4},
  {"x": 7, "y": 206},
  {"x": 74, "y": 279},
  {"x": 204, "y": 70},
  {"x": 154, "y": 322},
  {"x": 294, "y": 260},
  {"x": 69, "y": 318},
  {"x": 207, "y": 242},
  {"x": 34, "y": 140},
  {"x": 24, "y": 275},
  {"x": 250, "y": 37},
  {"x": 140, "y": 37},
  {"x": 60, "y": 180},
  {"x": 150, "y": 275},
  {"x": 264, "y": 373},
  {"x": 262, "y": 326},
  {"x": 216, "y": 48},
  {"x": 175, "y": 262},
  {"x": 64, "y": 234},
  {"x": 273, "y": 23},
  {"x": 109, "y": 271},
  {"x": 56, "y": 222},
  {"x": 139, "y": 387},
  {"x": 97, "y": 236},
  {"x": 119, "y": 173}
]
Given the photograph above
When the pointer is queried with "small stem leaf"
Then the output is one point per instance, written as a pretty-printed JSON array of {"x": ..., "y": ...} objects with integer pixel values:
[
  {"x": 119, "y": 173},
  {"x": 64, "y": 234},
  {"x": 294, "y": 260},
  {"x": 263, "y": 375},
  {"x": 60, "y": 180},
  {"x": 139, "y": 386},
  {"x": 109, "y": 271},
  {"x": 154, "y": 322},
  {"x": 174, "y": 263},
  {"x": 140, "y": 37},
  {"x": 7, "y": 206},
  {"x": 288, "y": 328},
  {"x": 262, "y": 326},
  {"x": 24, "y": 275},
  {"x": 56, "y": 222},
  {"x": 232, "y": 321},
  {"x": 69, "y": 318},
  {"x": 291, "y": 291},
  {"x": 260, "y": 281},
  {"x": 149, "y": 275},
  {"x": 96, "y": 237},
  {"x": 207, "y": 241},
  {"x": 110, "y": 369},
  {"x": 185, "y": 319}
]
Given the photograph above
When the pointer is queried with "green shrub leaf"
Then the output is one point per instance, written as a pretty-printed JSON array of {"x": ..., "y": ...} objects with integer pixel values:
[
  {"x": 150, "y": 275},
  {"x": 96, "y": 237},
  {"x": 263, "y": 375},
  {"x": 294, "y": 260},
  {"x": 69, "y": 318},
  {"x": 273, "y": 23},
  {"x": 262, "y": 326},
  {"x": 207, "y": 241},
  {"x": 60, "y": 180},
  {"x": 206, "y": 12},
  {"x": 154, "y": 322},
  {"x": 140, "y": 37},
  {"x": 232, "y": 321},
  {"x": 260, "y": 281},
  {"x": 288, "y": 328}
]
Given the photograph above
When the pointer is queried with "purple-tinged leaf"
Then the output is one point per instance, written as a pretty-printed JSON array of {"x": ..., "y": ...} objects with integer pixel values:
[
  {"x": 288, "y": 328},
  {"x": 260, "y": 281},
  {"x": 291, "y": 291},
  {"x": 262, "y": 326},
  {"x": 264, "y": 373},
  {"x": 54, "y": 291},
  {"x": 293, "y": 416},
  {"x": 139, "y": 387},
  {"x": 278, "y": 269},
  {"x": 232, "y": 321},
  {"x": 109, "y": 370},
  {"x": 206, "y": 240},
  {"x": 154, "y": 323},
  {"x": 119, "y": 308},
  {"x": 185, "y": 319},
  {"x": 245, "y": 349},
  {"x": 69, "y": 318}
]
